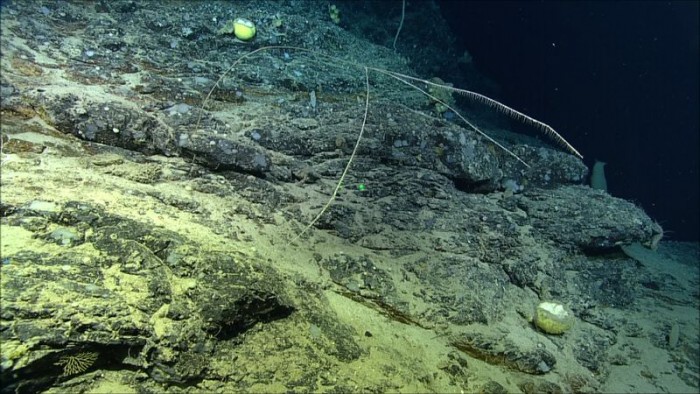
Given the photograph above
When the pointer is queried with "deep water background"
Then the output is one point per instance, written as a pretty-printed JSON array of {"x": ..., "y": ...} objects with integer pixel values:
[{"x": 618, "y": 79}]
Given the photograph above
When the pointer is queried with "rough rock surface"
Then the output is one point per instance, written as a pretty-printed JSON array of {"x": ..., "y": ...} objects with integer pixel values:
[{"x": 149, "y": 239}]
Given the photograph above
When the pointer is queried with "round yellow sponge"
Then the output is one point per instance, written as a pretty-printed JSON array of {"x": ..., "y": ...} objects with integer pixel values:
[
  {"x": 243, "y": 29},
  {"x": 553, "y": 318}
]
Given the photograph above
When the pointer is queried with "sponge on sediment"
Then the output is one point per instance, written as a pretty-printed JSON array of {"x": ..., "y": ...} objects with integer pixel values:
[{"x": 553, "y": 318}]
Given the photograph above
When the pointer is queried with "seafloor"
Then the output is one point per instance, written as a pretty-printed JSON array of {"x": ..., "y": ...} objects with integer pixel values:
[{"x": 153, "y": 219}]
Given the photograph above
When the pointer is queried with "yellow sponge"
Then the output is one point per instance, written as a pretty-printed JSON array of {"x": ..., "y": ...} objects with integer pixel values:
[
  {"x": 553, "y": 318},
  {"x": 243, "y": 29}
]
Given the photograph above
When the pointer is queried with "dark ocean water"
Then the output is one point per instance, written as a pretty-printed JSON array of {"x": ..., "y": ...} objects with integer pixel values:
[{"x": 618, "y": 79}]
